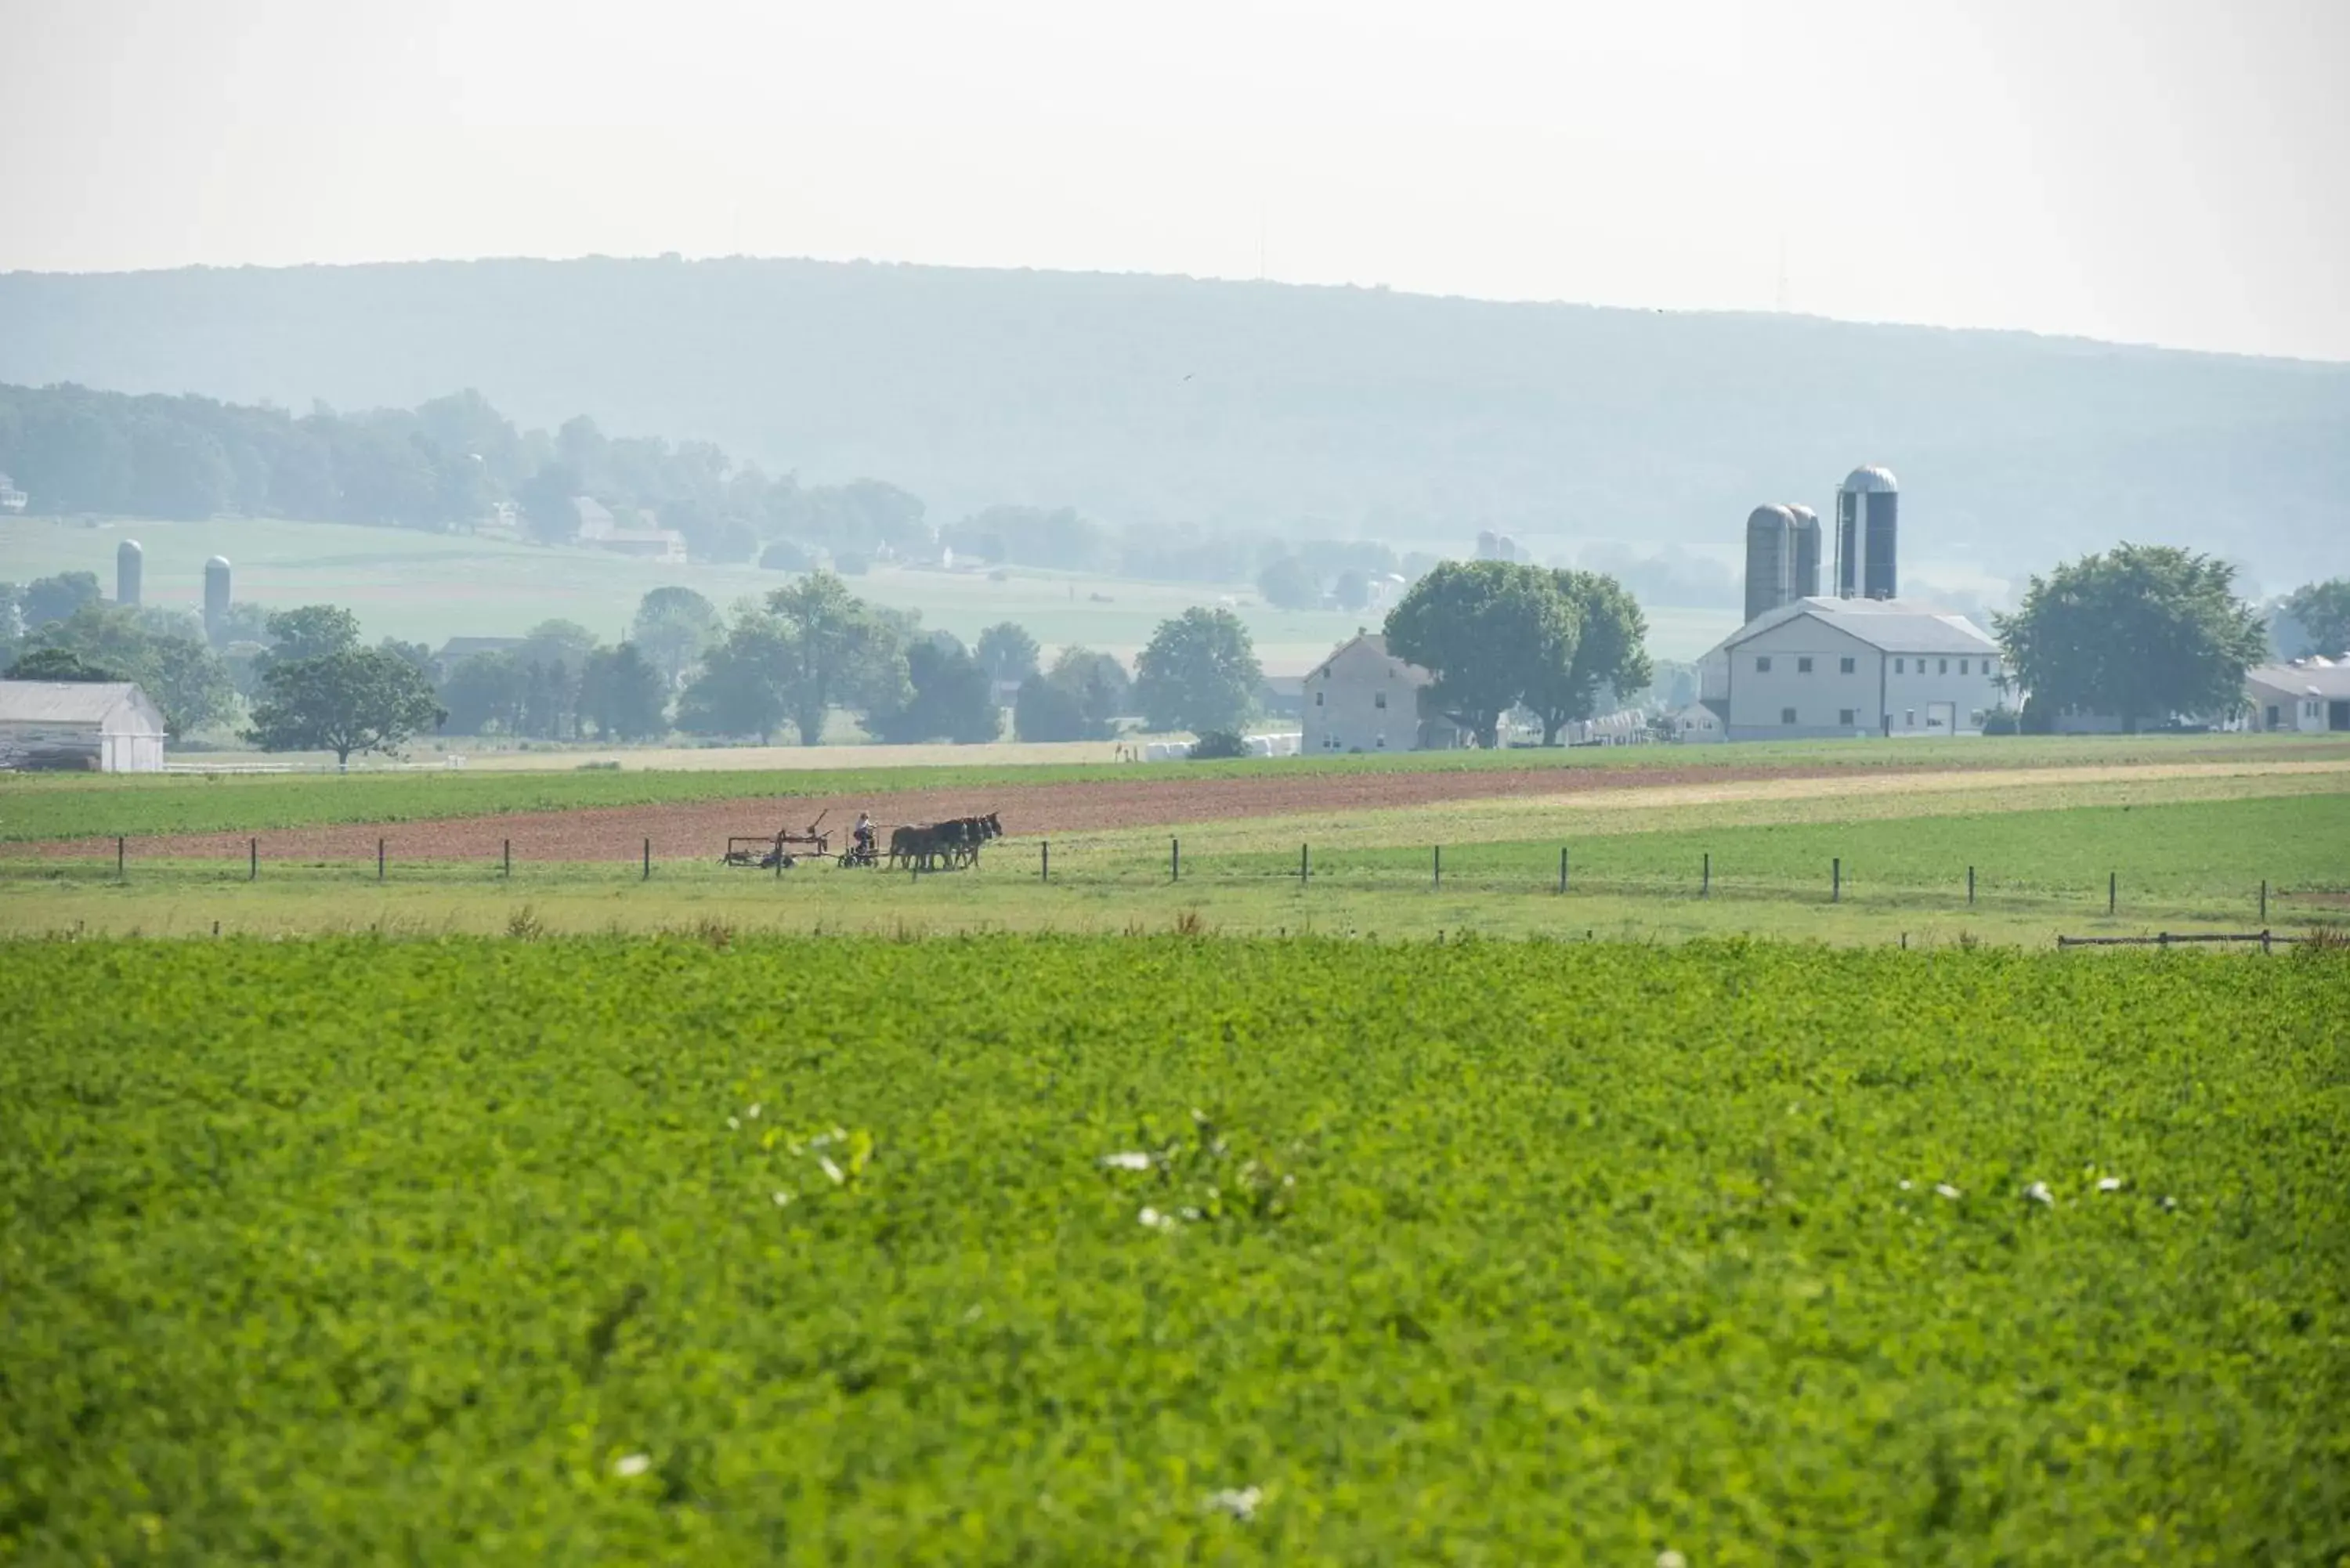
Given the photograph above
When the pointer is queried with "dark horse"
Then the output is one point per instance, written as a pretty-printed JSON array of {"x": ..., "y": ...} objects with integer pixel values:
[{"x": 955, "y": 842}]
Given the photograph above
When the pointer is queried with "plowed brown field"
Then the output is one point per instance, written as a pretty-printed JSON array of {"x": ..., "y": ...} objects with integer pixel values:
[{"x": 702, "y": 827}]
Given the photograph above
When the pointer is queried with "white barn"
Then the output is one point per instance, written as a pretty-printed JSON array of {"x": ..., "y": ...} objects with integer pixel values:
[
  {"x": 107, "y": 726},
  {"x": 1363, "y": 698},
  {"x": 1820, "y": 668}
]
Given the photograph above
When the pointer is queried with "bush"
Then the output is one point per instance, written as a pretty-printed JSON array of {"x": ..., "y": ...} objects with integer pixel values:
[{"x": 1219, "y": 746}]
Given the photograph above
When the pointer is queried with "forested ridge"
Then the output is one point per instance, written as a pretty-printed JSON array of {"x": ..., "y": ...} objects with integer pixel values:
[{"x": 1147, "y": 400}]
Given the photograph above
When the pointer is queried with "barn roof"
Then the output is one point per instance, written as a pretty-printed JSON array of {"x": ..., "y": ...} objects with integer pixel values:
[
  {"x": 2308, "y": 678},
  {"x": 1893, "y": 626},
  {"x": 75, "y": 703},
  {"x": 1377, "y": 645}
]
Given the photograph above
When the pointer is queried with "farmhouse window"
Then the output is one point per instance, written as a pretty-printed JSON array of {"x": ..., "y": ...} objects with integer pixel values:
[
  {"x": 1900, "y": 666},
  {"x": 1844, "y": 667},
  {"x": 1909, "y": 717},
  {"x": 1962, "y": 667},
  {"x": 1763, "y": 665},
  {"x": 1787, "y": 715},
  {"x": 1803, "y": 667},
  {"x": 1843, "y": 717},
  {"x": 1317, "y": 699},
  {"x": 1379, "y": 700},
  {"x": 1945, "y": 669}
]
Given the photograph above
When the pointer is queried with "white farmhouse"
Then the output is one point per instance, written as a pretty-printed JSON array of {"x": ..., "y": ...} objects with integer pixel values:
[
  {"x": 1836, "y": 667},
  {"x": 1363, "y": 698},
  {"x": 108, "y": 726},
  {"x": 2308, "y": 695}
]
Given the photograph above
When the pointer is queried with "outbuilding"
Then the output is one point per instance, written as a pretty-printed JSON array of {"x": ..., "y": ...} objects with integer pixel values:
[
  {"x": 2308, "y": 695},
  {"x": 103, "y": 726}
]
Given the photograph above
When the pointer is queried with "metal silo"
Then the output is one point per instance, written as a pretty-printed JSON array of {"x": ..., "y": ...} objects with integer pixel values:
[
  {"x": 130, "y": 568},
  {"x": 215, "y": 596},
  {"x": 1867, "y": 534},
  {"x": 1770, "y": 559},
  {"x": 1805, "y": 580}
]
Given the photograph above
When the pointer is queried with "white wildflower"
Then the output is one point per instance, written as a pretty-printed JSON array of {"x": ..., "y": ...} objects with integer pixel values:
[
  {"x": 1903, "y": 1184},
  {"x": 629, "y": 1465},
  {"x": 1946, "y": 1189},
  {"x": 752, "y": 1113},
  {"x": 732, "y": 1125},
  {"x": 1239, "y": 1502},
  {"x": 2169, "y": 1203},
  {"x": 2038, "y": 1193},
  {"x": 1668, "y": 1558},
  {"x": 1130, "y": 1160},
  {"x": 1155, "y": 1219},
  {"x": 2109, "y": 1183},
  {"x": 825, "y": 1162},
  {"x": 781, "y": 1197}
]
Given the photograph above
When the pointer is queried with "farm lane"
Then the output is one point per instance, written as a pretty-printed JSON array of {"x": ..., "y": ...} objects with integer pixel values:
[{"x": 700, "y": 829}]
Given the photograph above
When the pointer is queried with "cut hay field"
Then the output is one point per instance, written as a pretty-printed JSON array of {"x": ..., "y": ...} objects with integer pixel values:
[{"x": 1073, "y": 1250}]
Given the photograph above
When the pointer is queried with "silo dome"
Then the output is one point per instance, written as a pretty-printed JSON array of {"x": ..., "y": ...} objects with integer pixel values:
[{"x": 1867, "y": 481}]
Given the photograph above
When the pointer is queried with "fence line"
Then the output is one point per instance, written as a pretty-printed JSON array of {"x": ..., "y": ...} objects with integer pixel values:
[{"x": 1393, "y": 871}]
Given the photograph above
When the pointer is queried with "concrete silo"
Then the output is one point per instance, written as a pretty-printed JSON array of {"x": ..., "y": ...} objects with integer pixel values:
[
  {"x": 129, "y": 571},
  {"x": 1868, "y": 506},
  {"x": 1805, "y": 580},
  {"x": 1770, "y": 559},
  {"x": 215, "y": 596}
]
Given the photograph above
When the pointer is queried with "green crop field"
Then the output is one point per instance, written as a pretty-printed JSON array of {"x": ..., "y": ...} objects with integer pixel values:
[
  {"x": 428, "y": 587},
  {"x": 1083, "y": 1251}
]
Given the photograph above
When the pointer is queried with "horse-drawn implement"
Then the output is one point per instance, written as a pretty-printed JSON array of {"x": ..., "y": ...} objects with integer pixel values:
[{"x": 779, "y": 850}]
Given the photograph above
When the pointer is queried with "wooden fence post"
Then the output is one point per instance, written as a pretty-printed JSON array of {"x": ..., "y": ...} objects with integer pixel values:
[
  {"x": 2264, "y": 900},
  {"x": 122, "y": 858},
  {"x": 1562, "y": 868},
  {"x": 1835, "y": 880},
  {"x": 2112, "y": 887},
  {"x": 649, "y": 860},
  {"x": 379, "y": 859},
  {"x": 1045, "y": 860},
  {"x": 253, "y": 860},
  {"x": 1174, "y": 860},
  {"x": 1302, "y": 870},
  {"x": 508, "y": 858},
  {"x": 1705, "y": 877},
  {"x": 1437, "y": 877}
]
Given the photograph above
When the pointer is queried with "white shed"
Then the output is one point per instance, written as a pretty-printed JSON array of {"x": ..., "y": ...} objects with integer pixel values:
[{"x": 107, "y": 726}]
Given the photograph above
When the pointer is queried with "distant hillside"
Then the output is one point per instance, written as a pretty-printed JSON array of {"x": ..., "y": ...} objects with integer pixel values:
[{"x": 1149, "y": 399}]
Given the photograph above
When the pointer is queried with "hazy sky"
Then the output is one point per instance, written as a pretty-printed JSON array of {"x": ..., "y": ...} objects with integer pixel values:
[{"x": 2151, "y": 170}]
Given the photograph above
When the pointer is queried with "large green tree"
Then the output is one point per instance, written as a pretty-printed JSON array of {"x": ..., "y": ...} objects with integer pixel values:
[
  {"x": 1198, "y": 673},
  {"x": 951, "y": 698},
  {"x": 352, "y": 699},
  {"x": 623, "y": 695},
  {"x": 2323, "y": 612},
  {"x": 311, "y": 631},
  {"x": 739, "y": 689},
  {"x": 839, "y": 652},
  {"x": 2141, "y": 631},
  {"x": 1007, "y": 652},
  {"x": 1610, "y": 653},
  {"x": 673, "y": 626},
  {"x": 1490, "y": 632}
]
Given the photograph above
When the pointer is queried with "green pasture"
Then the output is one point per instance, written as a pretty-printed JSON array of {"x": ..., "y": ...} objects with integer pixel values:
[
  {"x": 428, "y": 587},
  {"x": 727, "y": 1250},
  {"x": 38, "y": 807},
  {"x": 2178, "y": 864}
]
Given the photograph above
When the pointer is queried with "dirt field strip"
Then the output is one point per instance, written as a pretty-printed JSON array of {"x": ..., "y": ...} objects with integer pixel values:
[{"x": 1503, "y": 799}]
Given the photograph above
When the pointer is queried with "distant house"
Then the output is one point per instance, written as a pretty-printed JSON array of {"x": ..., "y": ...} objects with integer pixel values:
[
  {"x": 598, "y": 527},
  {"x": 1363, "y": 698},
  {"x": 12, "y": 500},
  {"x": 2307, "y": 696},
  {"x": 102, "y": 726}
]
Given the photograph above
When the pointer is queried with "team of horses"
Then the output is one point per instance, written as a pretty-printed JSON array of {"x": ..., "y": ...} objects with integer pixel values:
[{"x": 931, "y": 846}]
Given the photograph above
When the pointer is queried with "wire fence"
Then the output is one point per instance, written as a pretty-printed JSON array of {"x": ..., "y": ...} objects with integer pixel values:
[{"x": 1609, "y": 866}]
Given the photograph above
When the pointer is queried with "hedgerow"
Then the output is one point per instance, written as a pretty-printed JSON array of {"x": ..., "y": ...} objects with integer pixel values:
[{"x": 1092, "y": 1251}]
